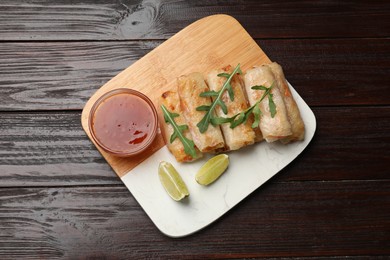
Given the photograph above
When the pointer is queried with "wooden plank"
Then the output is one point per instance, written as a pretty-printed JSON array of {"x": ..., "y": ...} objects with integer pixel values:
[
  {"x": 281, "y": 219},
  {"x": 44, "y": 149},
  {"x": 51, "y": 149},
  {"x": 134, "y": 19},
  {"x": 335, "y": 72},
  {"x": 350, "y": 143},
  {"x": 55, "y": 75},
  {"x": 60, "y": 75}
]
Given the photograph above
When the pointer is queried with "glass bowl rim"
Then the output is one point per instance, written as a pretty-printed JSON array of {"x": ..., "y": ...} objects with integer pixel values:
[{"x": 110, "y": 94}]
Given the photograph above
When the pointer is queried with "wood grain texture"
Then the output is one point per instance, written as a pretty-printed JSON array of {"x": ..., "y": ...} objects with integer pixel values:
[
  {"x": 41, "y": 149},
  {"x": 156, "y": 19},
  {"x": 60, "y": 199},
  {"x": 37, "y": 76},
  {"x": 37, "y": 149},
  {"x": 200, "y": 47},
  {"x": 280, "y": 219},
  {"x": 56, "y": 75}
]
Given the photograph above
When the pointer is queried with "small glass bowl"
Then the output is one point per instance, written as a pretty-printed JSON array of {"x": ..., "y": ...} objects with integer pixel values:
[{"x": 145, "y": 143}]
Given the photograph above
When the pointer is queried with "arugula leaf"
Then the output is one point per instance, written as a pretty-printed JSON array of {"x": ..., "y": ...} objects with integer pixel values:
[
  {"x": 210, "y": 93},
  {"x": 229, "y": 86},
  {"x": 223, "y": 106},
  {"x": 242, "y": 117},
  {"x": 226, "y": 75},
  {"x": 189, "y": 146},
  {"x": 203, "y": 108},
  {"x": 271, "y": 104},
  {"x": 220, "y": 120},
  {"x": 257, "y": 113},
  {"x": 260, "y": 87},
  {"x": 209, "y": 116}
]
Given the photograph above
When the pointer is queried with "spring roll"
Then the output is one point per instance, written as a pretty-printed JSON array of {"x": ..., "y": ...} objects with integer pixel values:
[
  {"x": 294, "y": 116},
  {"x": 243, "y": 134},
  {"x": 258, "y": 135},
  {"x": 272, "y": 128},
  {"x": 189, "y": 88},
  {"x": 170, "y": 100}
]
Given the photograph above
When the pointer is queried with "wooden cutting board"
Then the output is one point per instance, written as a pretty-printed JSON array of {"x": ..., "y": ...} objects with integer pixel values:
[{"x": 207, "y": 44}]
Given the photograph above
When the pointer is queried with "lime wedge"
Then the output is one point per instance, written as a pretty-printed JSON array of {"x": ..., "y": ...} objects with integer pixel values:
[
  {"x": 172, "y": 182},
  {"x": 212, "y": 169}
]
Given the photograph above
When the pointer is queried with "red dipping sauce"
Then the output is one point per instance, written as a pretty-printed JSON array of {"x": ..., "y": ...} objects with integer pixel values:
[{"x": 123, "y": 122}]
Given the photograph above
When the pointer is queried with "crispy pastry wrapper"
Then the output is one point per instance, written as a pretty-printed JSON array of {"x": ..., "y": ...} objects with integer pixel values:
[
  {"x": 272, "y": 128},
  {"x": 243, "y": 134},
  {"x": 189, "y": 88},
  {"x": 170, "y": 99},
  {"x": 294, "y": 116}
]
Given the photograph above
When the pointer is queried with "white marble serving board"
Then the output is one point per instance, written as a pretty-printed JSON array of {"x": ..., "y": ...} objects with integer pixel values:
[{"x": 249, "y": 168}]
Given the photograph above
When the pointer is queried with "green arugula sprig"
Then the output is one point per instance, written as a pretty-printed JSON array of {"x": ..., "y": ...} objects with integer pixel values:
[
  {"x": 189, "y": 146},
  {"x": 243, "y": 116},
  {"x": 210, "y": 117}
]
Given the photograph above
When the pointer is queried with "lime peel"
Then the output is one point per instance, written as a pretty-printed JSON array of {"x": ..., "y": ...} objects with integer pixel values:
[
  {"x": 212, "y": 169},
  {"x": 172, "y": 181}
]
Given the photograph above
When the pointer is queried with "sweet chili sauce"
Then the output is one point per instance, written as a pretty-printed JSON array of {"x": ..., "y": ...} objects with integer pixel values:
[{"x": 123, "y": 122}]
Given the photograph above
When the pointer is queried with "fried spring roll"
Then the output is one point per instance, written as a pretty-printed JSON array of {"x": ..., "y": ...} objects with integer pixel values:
[
  {"x": 170, "y": 100},
  {"x": 272, "y": 128},
  {"x": 294, "y": 116},
  {"x": 258, "y": 135},
  {"x": 189, "y": 88},
  {"x": 243, "y": 134}
]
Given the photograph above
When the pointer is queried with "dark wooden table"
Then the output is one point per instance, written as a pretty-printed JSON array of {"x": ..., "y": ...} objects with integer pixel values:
[{"x": 60, "y": 199}]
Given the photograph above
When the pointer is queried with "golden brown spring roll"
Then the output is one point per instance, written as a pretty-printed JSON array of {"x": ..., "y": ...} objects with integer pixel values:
[
  {"x": 294, "y": 116},
  {"x": 243, "y": 134},
  {"x": 277, "y": 127},
  {"x": 189, "y": 88},
  {"x": 170, "y": 100},
  {"x": 258, "y": 135}
]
